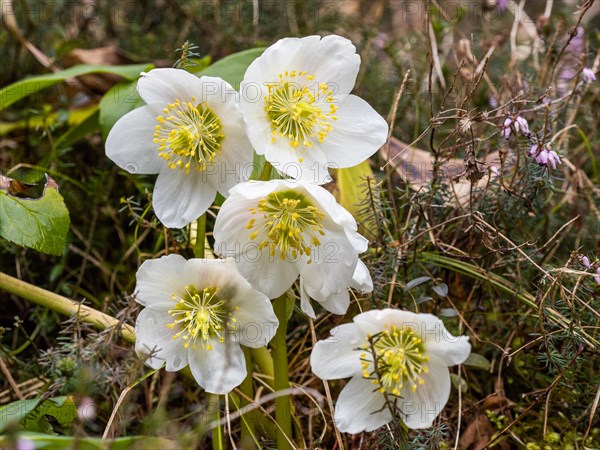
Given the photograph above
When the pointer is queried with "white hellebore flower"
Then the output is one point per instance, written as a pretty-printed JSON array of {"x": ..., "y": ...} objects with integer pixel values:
[
  {"x": 198, "y": 312},
  {"x": 191, "y": 133},
  {"x": 398, "y": 361},
  {"x": 299, "y": 112},
  {"x": 279, "y": 230}
]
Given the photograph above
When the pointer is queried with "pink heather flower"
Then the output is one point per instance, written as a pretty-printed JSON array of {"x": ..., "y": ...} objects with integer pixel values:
[
  {"x": 586, "y": 262},
  {"x": 502, "y": 5},
  {"x": 521, "y": 125},
  {"x": 506, "y": 131},
  {"x": 545, "y": 156},
  {"x": 597, "y": 277},
  {"x": 588, "y": 75}
]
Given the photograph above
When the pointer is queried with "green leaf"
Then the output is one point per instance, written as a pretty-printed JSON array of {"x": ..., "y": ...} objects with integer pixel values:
[
  {"x": 49, "y": 442},
  {"x": 31, "y": 414},
  {"x": 116, "y": 102},
  {"x": 41, "y": 223},
  {"x": 79, "y": 131},
  {"x": 478, "y": 361},
  {"x": 24, "y": 88},
  {"x": 233, "y": 67},
  {"x": 352, "y": 183},
  {"x": 416, "y": 282}
]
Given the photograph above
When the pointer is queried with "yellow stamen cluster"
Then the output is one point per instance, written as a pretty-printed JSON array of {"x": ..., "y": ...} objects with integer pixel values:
[
  {"x": 401, "y": 359},
  {"x": 298, "y": 112},
  {"x": 188, "y": 135},
  {"x": 288, "y": 223},
  {"x": 200, "y": 316}
]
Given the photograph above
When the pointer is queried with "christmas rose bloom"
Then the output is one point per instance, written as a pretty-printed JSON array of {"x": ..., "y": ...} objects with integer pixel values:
[
  {"x": 190, "y": 133},
  {"x": 398, "y": 361},
  {"x": 544, "y": 156},
  {"x": 279, "y": 230},
  {"x": 299, "y": 111},
  {"x": 197, "y": 313}
]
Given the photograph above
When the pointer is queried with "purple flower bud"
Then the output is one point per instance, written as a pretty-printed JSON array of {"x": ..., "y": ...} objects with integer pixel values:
[
  {"x": 597, "y": 277},
  {"x": 586, "y": 262},
  {"x": 502, "y": 5},
  {"x": 534, "y": 150},
  {"x": 588, "y": 75}
]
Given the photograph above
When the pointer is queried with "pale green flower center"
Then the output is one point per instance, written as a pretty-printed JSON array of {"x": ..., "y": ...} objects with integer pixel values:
[
  {"x": 201, "y": 316},
  {"x": 299, "y": 114},
  {"x": 287, "y": 222},
  {"x": 400, "y": 359},
  {"x": 188, "y": 136}
]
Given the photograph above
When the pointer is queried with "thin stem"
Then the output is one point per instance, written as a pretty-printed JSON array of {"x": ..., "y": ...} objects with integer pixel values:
[
  {"x": 280, "y": 361},
  {"x": 199, "y": 247},
  {"x": 64, "y": 306},
  {"x": 247, "y": 438}
]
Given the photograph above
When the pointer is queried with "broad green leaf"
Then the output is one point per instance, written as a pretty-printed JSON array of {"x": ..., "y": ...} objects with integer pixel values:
[
  {"x": 233, "y": 67},
  {"x": 88, "y": 125},
  {"x": 49, "y": 442},
  {"x": 478, "y": 361},
  {"x": 24, "y": 88},
  {"x": 31, "y": 414},
  {"x": 352, "y": 188},
  {"x": 41, "y": 224},
  {"x": 198, "y": 64},
  {"x": 116, "y": 102}
]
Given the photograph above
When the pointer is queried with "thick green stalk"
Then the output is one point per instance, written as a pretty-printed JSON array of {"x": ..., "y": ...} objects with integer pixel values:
[
  {"x": 262, "y": 357},
  {"x": 247, "y": 389},
  {"x": 64, "y": 306},
  {"x": 280, "y": 360},
  {"x": 200, "y": 237}
]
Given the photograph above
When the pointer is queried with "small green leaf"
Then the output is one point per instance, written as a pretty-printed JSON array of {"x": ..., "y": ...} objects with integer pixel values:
[
  {"x": 116, "y": 102},
  {"x": 416, "y": 282},
  {"x": 441, "y": 289},
  {"x": 233, "y": 67},
  {"x": 31, "y": 414},
  {"x": 49, "y": 442},
  {"x": 24, "y": 88},
  {"x": 41, "y": 223},
  {"x": 478, "y": 361}
]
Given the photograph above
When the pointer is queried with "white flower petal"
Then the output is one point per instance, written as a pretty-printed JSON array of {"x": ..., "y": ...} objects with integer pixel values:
[
  {"x": 179, "y": 199},
  {"x": 420, "y": 408},
  {"x": 332, "y": 59},
  {"x": 167, "y": 85},
  {"x": 155, "y": 339},
  {"x": 360, "y": 408},
  {"x": 337, "y": 356},
  {"x": 158, "y": 280},
  {"x": 337, "y": 302},
  {"x": 361, "y": 280},
  {"x": 256, "y": 321},
  {"x": 129, "y": 143},
  {"x": 218, "y": 370},
  {"x": 265, "y": 273},
  {"x": 305, "y": 301},
  {"x": 357, "y": 134}
]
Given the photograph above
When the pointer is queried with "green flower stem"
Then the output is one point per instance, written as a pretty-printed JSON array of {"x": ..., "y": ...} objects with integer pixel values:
[
  {"x": 200, "y": 237},
  {"x": 64, "y": 306},
  {"x": 266, "y": 172},
  {"x": 262, "y": 357},
  {"x": 280, "y": 361},
  {"x": 213, "y": 400},
  {"x": 247, "y": 421}
]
